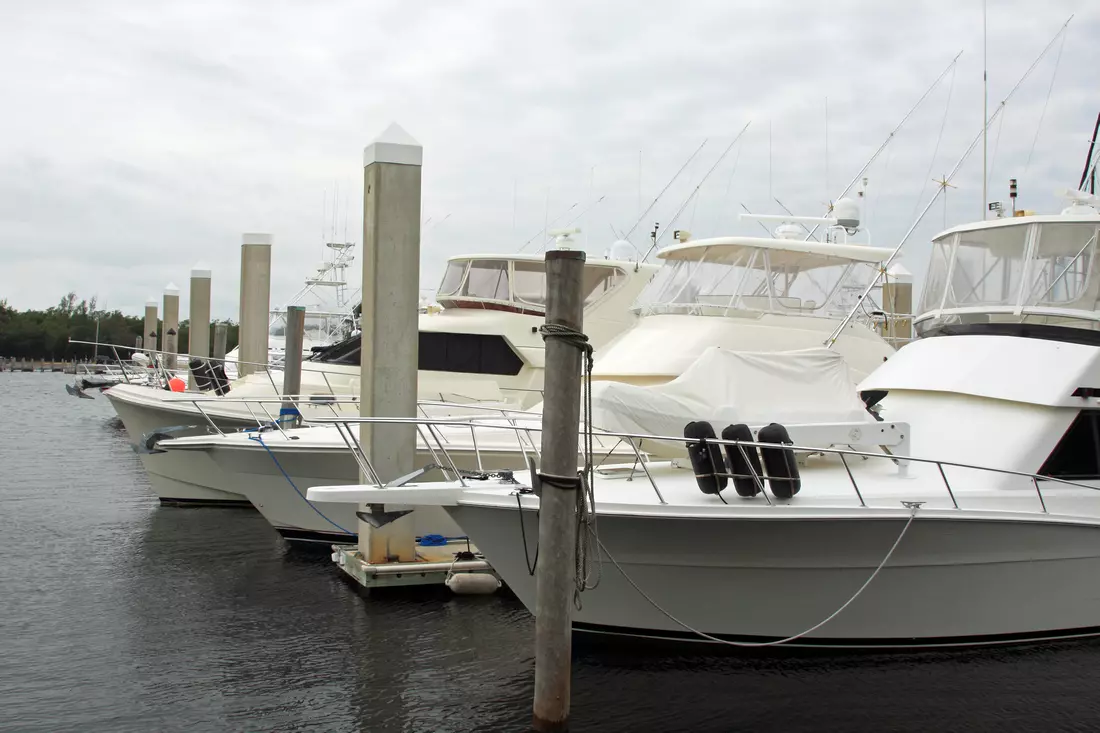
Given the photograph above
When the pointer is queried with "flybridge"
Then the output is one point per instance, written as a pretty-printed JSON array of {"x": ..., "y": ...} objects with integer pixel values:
[{"x": 1026, "y": 270}]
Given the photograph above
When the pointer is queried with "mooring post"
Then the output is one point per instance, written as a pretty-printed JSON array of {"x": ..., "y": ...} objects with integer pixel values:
[
  {"x": 171, "y": 325},
  {"x": 221, "y": 339},
  {"x": 150, "y": 335},
  {"x": 391, "y": 281},
  {"x": 292, "y": 364},
  {"x": 255, "y": 302},
  {"x": 198, "y": 330},
  {"x": 556, "y": 571}
]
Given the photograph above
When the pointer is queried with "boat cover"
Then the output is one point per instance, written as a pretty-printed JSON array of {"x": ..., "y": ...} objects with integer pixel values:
[{"x": 726, "y": 387}]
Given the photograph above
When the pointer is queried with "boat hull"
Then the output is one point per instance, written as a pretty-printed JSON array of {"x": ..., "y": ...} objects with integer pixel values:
[
  {"x": 255, "y": 472},
  {"x": 951, "y": 582}
]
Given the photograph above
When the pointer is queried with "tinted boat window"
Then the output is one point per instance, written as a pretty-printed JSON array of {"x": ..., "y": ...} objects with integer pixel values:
[{"x": 1077, "y": 455}]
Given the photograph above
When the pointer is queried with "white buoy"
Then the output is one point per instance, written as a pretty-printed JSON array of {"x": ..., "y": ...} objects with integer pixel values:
[{"x": 473, "y": 584}]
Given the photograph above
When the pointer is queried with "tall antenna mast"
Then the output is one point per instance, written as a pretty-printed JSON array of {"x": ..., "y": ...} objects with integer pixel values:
[{"x": 985, "y": 111}]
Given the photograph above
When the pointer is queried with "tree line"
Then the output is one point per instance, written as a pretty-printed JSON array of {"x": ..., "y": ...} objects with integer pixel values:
[{"x": 45, "y": 334}]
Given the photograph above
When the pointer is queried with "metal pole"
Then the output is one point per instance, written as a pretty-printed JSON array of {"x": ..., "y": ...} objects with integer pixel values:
[
  {"x": 555, "y": 574},
  {"x": 292, "y": 361}
]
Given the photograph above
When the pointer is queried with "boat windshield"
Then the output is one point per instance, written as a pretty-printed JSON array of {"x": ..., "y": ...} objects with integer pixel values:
[
  {"x": 1038, "y": 272},
  {"x": 746, "y": 280},
  {"x": 521, "y": 284}
]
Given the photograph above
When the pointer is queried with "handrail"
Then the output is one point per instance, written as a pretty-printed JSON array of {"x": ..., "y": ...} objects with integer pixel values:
[
  {"x": 631, "y": 437},
  {"x": 306, "y": 365}
]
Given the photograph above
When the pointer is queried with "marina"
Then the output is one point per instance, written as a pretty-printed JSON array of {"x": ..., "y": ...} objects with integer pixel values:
[{"x": 686, "y": 458}]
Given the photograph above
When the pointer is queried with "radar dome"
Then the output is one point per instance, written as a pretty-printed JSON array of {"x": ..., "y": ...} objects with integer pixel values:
[
  {"x": 846, "y": 213},
  {"x": 623, "y": 250},
  {"x": 788, "y": 231}
]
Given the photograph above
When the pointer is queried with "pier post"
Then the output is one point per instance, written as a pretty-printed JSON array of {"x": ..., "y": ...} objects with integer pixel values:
[
  {"x": 255, "y": 301},
  {"x": 897, "y": 298},
  {"x": 221, "y": 338},
  {"x": 292, "y": 360},
  {"x": 198, "y": 330},
  {"x": 171, "y": 326},
  {"x": 556, "y": 571},
  {"x": 150, "y": 335},
  {"x": 391, "y": 277}
]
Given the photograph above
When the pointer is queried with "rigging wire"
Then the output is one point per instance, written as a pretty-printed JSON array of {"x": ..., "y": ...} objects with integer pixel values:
[
  {"x": 1050, "y": 90},
  {"x": 936, "y": 150},
  {"x": 662, "y": 193}
]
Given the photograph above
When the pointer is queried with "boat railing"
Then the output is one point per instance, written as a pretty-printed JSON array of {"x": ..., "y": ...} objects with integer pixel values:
[{"x": 428, "y": 429}]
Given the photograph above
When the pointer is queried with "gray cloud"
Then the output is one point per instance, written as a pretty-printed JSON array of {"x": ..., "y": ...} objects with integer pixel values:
[{"x": 140, "y": 138}]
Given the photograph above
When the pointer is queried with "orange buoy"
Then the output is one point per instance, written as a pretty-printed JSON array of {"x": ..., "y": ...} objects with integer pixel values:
[{"x": 176, "y": 384}]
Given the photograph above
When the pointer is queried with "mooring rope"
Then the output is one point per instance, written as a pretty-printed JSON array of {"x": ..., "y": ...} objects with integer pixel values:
[
  {"x": 259, "y": 439},
  {"x": 586, "y": 500},
  {"x": 912, "y": 515}
]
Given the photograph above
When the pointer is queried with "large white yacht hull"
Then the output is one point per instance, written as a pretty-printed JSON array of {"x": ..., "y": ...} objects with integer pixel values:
[{"x": 950, "y": 581}]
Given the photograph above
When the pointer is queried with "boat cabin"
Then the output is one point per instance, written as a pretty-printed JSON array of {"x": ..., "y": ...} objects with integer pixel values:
[
  {"x": 747, "y": 277},
  {"x": 515, "y": 283},
  {"x": 1003, "y": 274}
]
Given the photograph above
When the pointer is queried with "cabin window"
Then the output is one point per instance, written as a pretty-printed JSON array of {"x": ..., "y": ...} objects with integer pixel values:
[
  {"x": 452, "y": 278},
  {"x": 1077, "y": 455},
  {"x": 1059, "y": 270},
  {"x": 529, "y": 282},
  {"x": 487, "y": 279},
  {"x": 345, "y": 352},
  {"x": 471, "y": 353}
]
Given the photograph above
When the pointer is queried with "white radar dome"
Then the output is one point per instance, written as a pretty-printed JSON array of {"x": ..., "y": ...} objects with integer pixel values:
[
  {"x": 788, "y": 231},
  {"x": 623, "y": 250},
  {"x": 846, "y": 213}
]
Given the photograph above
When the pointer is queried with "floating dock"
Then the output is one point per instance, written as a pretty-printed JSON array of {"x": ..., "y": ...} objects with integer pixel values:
[{"x": 434, "y": 565}]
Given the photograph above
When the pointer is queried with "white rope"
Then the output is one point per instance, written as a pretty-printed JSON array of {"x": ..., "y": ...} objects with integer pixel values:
[{"x": 815, "y": 627}]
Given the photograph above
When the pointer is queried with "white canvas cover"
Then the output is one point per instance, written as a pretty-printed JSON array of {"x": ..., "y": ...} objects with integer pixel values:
[{"x": 726, "y": 387}]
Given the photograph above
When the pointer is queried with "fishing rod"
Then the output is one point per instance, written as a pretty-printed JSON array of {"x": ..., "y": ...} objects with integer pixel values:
[
  {"x": 946, "y": 179},
  {"x": 894, "y": 132},
  {"x": 696, "y": 189},
  {"x": 662, "y": 193}
]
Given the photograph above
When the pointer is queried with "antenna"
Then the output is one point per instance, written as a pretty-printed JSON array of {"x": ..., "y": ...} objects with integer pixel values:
[
  {"x": 944, "y": 184},
  {"x": 985, "y": 111},
  {"x": 826, "y": 147},
  {"x": 878, "y": 274}
]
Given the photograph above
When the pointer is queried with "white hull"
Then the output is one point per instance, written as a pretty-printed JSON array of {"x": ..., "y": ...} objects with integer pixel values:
[
  {"x": 950, "y": 582},
  {"x": 246, "y": 470}
]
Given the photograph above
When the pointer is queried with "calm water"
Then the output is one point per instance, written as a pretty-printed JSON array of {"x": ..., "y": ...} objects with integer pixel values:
[{"x": 118, "y": 615}]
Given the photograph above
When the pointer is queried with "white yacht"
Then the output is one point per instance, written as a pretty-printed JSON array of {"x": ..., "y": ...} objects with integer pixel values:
[
  {"x": 483, "y": 347},
  {"x": 775, "y": 294},
  {"x": 967, "y": 513}
]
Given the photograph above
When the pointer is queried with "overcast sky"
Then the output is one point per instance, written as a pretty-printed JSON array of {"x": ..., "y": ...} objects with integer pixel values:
[{"x": 142, "y": 137}]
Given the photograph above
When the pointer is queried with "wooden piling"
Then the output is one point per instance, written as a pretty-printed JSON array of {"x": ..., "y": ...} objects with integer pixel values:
[{"x": 556, "y": 571}]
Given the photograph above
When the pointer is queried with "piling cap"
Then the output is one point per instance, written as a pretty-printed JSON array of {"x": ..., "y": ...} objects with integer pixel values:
[
  {"x": 171, "y": 289},
  {"x": 394, "y": 145},
  {"x": 152, "y": 302},
  {"x": 256, "y": 238},
  {"x": 201, "y": 270},
  {"x": 899, "y": 273}
]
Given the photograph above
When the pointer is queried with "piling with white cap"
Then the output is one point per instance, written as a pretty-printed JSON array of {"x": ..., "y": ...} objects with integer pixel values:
[
  {"x": 897, "y": 301},
  {"x": 198, "y": 331},
  {"x": 255, "y": 301},
  {"x": 391, "y": 277},
  {"x": 149, "y": 338},
  {"x": 171, "y": 325}
]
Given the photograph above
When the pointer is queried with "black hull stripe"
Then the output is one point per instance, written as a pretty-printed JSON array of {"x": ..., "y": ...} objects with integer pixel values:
[
  {"x": 659, "y": 635},
  {"x": 238, "y": 503},
  {"x": 305, "y": 535}
]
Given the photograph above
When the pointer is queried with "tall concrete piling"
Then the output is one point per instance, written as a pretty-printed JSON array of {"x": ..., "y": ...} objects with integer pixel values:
[
  {"x": 555, "y": 574},
  {"x": 150, "y": 335},
  {"x": 198, "y": 331},
  {"x": 171, "y": 325},
  {"x": 252, "y": 337},
  {"x": 897, "y": 301},
  {"x": 391, "y": 276},
  {"x": 221, "y": 339}
]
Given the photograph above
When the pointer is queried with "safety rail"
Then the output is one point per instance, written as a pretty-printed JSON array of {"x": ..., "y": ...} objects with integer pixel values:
[{"x": 635, "y": 441}]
